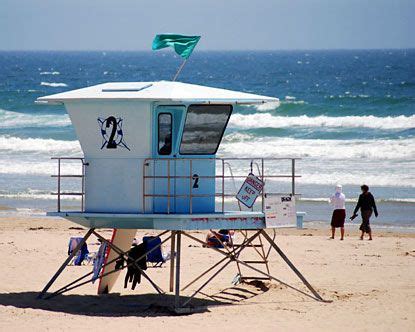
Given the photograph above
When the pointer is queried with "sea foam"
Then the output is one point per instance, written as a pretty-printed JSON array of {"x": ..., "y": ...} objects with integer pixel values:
[
  {"x": 266, "y": 120},
  {"x": 271, "y": 106},
  {"x": 237, "y": 145},
  {"x": 268, "y": 106},
  {"x": 53, "y": 84},
  {"x": 49, "y": 73},
  {"x": 17, "y": 145},
  {"x": 9, "y": 119}
]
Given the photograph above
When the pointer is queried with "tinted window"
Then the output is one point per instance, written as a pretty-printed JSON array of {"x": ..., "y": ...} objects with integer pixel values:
[
  {"x": 204, "y": 127},
  {"x": 164, "y": 133}
]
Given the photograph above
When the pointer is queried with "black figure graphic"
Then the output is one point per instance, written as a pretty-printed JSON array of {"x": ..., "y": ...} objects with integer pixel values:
[{"x": 114, "y": 138}]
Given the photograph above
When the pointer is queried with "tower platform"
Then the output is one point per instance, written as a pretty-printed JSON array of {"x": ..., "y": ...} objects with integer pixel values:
[{"x": 227, "y": 220}]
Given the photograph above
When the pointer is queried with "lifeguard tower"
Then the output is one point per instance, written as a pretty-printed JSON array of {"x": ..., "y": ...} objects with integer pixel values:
[{"x": 150, "y": 163}]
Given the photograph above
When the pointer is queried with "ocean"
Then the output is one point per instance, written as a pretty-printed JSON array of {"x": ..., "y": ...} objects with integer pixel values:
[{"x": 349, "y": 114}]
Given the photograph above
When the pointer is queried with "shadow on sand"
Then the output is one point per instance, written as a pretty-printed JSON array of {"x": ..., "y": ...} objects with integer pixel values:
[{"x": 143, "y": 305}]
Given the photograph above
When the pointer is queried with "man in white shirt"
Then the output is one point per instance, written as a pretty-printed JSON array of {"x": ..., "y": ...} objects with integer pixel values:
[{"x": 338, "y": 200}]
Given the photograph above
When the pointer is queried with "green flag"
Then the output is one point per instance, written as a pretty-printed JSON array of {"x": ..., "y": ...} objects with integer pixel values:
[{"x": 183, "y": 45}]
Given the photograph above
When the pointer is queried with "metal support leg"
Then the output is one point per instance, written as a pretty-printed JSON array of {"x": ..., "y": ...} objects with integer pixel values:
[
  {"x": 291, "y": 265},
  {"x": 235, "y": 252},
  {"x": 172, "y": 259},
  {"x": 65, "y": 263},
  {"x": 207, "y": 281},
  {"x": 235, "y": 258},
  {"x": 178, "y": 253},
  {"x": 230, "y": 257},
  {"x": 204, "y": 273}
]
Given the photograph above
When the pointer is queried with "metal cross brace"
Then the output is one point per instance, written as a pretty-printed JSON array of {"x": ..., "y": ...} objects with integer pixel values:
[{"x": 72, "y": 285}]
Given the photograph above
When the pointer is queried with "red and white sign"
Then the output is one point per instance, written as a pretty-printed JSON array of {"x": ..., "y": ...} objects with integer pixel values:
[{"x": 250, "y": 190}]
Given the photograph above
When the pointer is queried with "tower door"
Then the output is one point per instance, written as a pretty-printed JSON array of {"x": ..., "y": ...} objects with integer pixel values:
[
  {"x": 167, "y": 124},
  {"x": 203, "y": 130},
  {"x": 184, "y": 147}
]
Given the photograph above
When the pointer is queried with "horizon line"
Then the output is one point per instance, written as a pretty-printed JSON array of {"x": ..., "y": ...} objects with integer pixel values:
[{"x": 214, "y": 50}]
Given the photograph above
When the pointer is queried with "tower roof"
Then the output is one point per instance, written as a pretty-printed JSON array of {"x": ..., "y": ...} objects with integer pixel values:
[{"x": 157, "y": 91}]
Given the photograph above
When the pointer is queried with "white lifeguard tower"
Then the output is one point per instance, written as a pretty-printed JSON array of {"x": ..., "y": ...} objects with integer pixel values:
[{"x": 150, "y": 163}]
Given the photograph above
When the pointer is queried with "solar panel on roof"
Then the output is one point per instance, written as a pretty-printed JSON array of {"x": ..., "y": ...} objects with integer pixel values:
[{"x": 127, "y": 89}]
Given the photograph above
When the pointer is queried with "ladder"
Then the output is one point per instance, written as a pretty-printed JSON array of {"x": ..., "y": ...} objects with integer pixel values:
[
  {"x": 260, "y": 258},
  {"x": 257, "y": 245}
]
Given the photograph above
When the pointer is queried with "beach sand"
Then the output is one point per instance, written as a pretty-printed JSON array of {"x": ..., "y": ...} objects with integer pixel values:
[{"x": 371, "y": 284}]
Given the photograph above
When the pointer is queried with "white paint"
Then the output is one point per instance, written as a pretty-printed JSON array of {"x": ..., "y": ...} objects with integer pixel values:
[
  {"x": 136, "y": 127},
  {"x": 113, "y": 178},
  {"x": 113, "y": 185}
]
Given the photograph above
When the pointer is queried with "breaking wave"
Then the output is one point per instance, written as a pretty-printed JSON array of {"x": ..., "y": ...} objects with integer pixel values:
[
  {"x": 332, "y": 161},
  {"x": 16, "y": 145},
  {"x": 271, "y": 106},
  {"x": 245, "y": 145},
  {"x": 53, "y": 84},
  {"x": 266, "y": 120},
  {"x": 37, "y": 194},
  {"x": 49, "y": 73},
  {"x": 268, "y": 106},
  {"x": 9, "y": 119}
]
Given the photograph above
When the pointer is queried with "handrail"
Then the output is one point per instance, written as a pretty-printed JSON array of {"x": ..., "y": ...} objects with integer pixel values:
[
  {"x": 207, "y": 195},
  {"x": 67, "y": 158},
  {"x": 61, "y": 193},
  {"x": 259, "y": 162},
  {"x": 212, "y": 176}
]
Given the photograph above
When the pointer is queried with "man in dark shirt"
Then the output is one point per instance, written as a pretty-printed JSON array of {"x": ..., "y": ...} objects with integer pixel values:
[{"x": 367, "y": 206}]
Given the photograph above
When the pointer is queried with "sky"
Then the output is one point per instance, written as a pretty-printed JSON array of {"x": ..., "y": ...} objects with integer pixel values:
[{"x": 223, "y": 24}]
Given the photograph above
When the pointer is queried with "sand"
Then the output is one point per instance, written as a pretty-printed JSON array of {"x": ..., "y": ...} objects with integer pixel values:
[{"x": 371, "y": 284}]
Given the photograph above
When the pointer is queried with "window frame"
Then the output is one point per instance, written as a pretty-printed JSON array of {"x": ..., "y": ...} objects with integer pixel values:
[
  {"x": 221, "y": 136},
  {"x": 158, "y": 133}
]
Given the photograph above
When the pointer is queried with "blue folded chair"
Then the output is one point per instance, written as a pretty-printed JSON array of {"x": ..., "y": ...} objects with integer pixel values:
[
  {"x": 156, "y": 256},
  {"x": 81, "y": 255}
]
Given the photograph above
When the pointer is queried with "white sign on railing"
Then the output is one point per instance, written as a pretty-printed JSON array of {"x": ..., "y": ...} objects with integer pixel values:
[
  {"x": 250, "y": 190},
  {"x": 280, "y": 211}
]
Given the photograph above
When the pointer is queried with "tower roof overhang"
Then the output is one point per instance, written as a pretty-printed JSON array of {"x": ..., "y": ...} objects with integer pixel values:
[{"x": 161, "y": 91}]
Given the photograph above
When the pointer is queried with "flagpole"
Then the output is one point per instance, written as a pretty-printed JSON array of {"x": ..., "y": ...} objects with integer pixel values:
[{"x": 179, "y": 70}]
